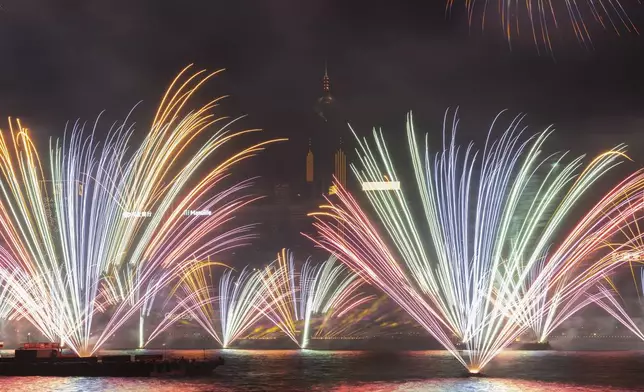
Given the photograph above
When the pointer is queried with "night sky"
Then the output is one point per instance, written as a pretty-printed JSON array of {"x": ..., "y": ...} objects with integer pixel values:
[{"x": 68, "y": 59}]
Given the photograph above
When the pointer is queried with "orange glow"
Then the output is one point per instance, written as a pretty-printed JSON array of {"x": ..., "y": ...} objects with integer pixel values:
[
  {"x": 341, "y": 168},
  {"x": 309, "y": 166}
]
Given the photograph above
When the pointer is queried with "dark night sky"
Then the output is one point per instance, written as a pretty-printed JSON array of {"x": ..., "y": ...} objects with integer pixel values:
[{"x": 67, "y": 59}]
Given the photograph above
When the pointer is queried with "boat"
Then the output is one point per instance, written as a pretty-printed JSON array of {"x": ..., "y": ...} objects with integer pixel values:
[{"x": 47, "y": 359}]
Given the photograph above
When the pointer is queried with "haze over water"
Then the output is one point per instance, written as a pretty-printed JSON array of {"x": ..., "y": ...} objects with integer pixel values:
[{"x": 365, "y": 371}]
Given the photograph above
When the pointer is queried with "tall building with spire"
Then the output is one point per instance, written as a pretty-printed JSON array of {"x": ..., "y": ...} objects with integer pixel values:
[
  {"x": 324, "y": 105},
  {"x": 339, "y": 168},
  {"x": 330, "y": 158}
]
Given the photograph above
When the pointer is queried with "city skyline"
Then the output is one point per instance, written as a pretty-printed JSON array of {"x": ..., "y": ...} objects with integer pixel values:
[{"x": 320, "y": 173}]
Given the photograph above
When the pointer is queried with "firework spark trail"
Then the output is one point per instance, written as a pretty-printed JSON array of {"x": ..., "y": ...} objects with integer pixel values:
[
  {"x": 558, "y": 288},
  {"x": 190, "y": 305},
  {"x": 239, "y": 301},
  {"x": 348, "y": 322},
  {"x": 328, "y": 289},
  {"x": 6, "y": 305},
  {"x": 609, "y": 300},
  {"x": 543, "y": 17},
  {"x": 611, "y": 305},
  {"x": 281, "y": 302},
  {"x": 97, "y": 257},
  {"x": 195, "y": 299},
  {"x": 19, "y": 309},
  {"x": 277, "y": 292},
  {"x": 481, "y": 260},
  {"x": 146, "y": 308},
  {"x": 324, "y": 289}
]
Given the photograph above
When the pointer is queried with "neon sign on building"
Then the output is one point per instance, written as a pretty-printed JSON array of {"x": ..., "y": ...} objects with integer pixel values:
[
  {"x": 137, "y": 214},
  {"x": 197, "y": 213}
]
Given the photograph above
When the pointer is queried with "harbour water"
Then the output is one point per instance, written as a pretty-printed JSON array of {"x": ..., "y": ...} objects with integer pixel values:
[{"x": 365, "y": 371}]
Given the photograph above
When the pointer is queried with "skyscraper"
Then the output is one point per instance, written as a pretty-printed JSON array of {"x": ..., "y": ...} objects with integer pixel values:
[
  {"x": 330, "y": 158},
  {"x": 339, "y": 168},
  {"x": 309, "y": 166}
]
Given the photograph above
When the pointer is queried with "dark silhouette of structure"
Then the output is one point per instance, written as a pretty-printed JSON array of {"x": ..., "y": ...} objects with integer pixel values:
[{"x": 283, "y": 215}]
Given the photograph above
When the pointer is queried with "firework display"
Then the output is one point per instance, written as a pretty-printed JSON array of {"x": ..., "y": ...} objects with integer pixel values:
[
  {"x": 607, "y": 234},
  {"x": 239, "y": 303},
  {"x": 477, "y": 269},
  {"x": 327, "y": 289},
  {"x": 281, "y": 300},
  {"x": 99, "y": 228},
  {"x": 290, "y": 301},
  {"x": 541, "y": 18},
  {"x": 614, "y": 303},
  {"x": 225, "y": 314},
  {"x": 330, "y": 290},
  {"x": 610, "y": 303},
  {"x": 478, "y": 247}
]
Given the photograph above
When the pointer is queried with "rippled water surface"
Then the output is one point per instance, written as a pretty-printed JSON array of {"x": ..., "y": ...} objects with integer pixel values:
[{"x": 373, "y": 371}]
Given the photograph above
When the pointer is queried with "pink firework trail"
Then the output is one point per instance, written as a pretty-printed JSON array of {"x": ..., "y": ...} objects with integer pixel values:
[{"x": 485, "y": 272}]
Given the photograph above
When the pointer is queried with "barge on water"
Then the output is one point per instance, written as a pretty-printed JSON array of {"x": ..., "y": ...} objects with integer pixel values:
[{"x": 47, "y": 359}]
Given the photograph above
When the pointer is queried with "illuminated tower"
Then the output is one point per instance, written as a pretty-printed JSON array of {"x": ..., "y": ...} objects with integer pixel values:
[
  {"x": 326, "y": 100},
  {"x": 309, "y": 166},
  {"x": 326, "y": 84},
  {"x": 325, "y": 136},
  {"x": 340, "y": 168}
]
